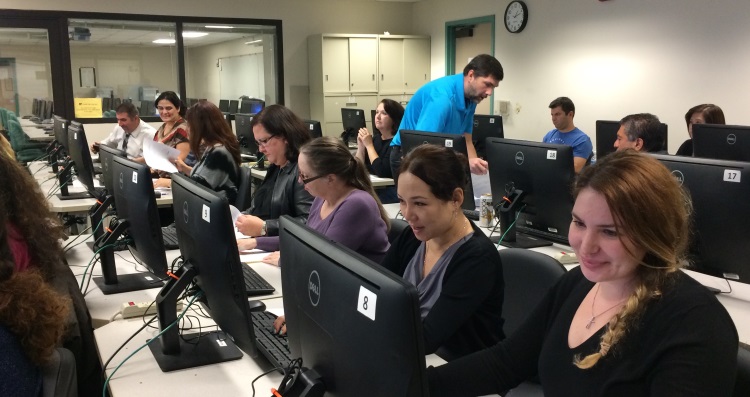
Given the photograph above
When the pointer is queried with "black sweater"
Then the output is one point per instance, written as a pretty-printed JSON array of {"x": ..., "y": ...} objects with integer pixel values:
[
  {"x": 685, "y": 344},
  {"x": 467, "y": 316}
]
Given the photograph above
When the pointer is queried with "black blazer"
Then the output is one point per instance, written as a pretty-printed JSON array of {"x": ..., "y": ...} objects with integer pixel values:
[{"x": 289, "y": 198}]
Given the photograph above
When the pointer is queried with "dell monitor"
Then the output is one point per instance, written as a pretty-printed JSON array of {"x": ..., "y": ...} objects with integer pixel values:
[
  {"x": 137, "y": 215},
  {"x": 410, "y": 139},
  {"x": 205, "y": 233},
  {"x": 485, "y": 126},
  {"x": 252, "y": 106},
  {"x": 106, "y": 157},
  {"x": 536, "y": 178},
  {"x": 314, "y": 128},
  {"x": 606, "y": 135},
  {"x": 224, "y": 105},
  {"x": 60, "y": 130},
  {"x": 725, "y": 142},
  {"x": 80, "y": 156},
  {"x": 355, "y": 323},
  {"x": 248, "y": 146},
  {"x": 719, "y": 190}
]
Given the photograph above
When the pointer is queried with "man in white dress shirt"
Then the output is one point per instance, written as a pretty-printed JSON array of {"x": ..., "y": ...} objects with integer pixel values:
[{"x": 129, "y": 133}]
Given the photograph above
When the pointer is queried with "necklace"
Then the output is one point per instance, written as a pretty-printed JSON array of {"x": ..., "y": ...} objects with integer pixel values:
[{"x": 593, "y": 302}]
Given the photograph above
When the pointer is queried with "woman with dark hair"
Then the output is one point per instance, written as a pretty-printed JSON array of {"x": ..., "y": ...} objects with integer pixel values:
[
  {"x": 174, "y": 131},
  {"x": 279, "y": 133},
  {"x": 345, "y": 208},
  {"x": 455, "y": 267},
  {"x": 701, "y": 114},
  {"x": 375, "y": 150},
  {"x": 627, "y": 321},
  {"x": 218, "y": 166}
]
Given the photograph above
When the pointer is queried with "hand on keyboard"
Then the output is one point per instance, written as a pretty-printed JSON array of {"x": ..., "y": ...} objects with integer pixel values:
[{"x": 279, "y": 325}]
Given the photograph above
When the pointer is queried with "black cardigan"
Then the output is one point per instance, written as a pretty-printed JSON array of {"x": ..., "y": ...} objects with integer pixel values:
[{"x": 468, "y": 314}]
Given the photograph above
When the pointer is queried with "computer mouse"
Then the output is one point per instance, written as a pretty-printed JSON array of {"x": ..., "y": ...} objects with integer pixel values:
[
  {"x": 566, "y": 257},
  {"x": 256, "y": 306}
]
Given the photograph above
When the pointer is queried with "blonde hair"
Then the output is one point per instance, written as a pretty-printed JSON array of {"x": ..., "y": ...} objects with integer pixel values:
[
  {"x": 653, "y": 211},
  {"x": 5, "y": 148}
]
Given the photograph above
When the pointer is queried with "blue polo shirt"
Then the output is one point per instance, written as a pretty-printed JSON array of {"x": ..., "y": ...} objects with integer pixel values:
[
  {"x": 576, "y": 138},
  {"x": 439, "y": 106}
]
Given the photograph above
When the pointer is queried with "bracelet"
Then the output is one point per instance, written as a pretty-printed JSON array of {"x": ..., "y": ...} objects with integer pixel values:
[{"x": 263, "y": 229}]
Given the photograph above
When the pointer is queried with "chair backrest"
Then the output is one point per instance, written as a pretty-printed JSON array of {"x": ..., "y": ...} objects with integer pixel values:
[
  {"x": 243, "y": 190},
  {"x": 397, "y": 226},
  {"x": 528, "y": 276},
  {"x": 59, "y": 375}
]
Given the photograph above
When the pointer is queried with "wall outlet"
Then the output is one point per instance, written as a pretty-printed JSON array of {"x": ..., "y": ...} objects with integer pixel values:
[{"x": 138, "y": 309}]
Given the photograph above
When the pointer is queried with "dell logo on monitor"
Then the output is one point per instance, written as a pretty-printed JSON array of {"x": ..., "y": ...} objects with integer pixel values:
[
  {"x": 185, "y": 211},
  {"x": 519, "y": 158},
  {"x": 679, "y": 176},
  {"x": 313, "y": 288},
  {"x": 731, "y": 139}
]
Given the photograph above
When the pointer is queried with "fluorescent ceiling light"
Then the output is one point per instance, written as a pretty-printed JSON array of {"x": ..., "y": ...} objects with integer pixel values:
[
  {"x": 254, "y": 41},
  {"x": 191, "y": 35},
  {"x": 219, "y": 27},
  {"x": 164, "y": 41}
]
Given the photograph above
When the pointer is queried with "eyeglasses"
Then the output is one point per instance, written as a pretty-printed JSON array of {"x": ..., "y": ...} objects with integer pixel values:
[
  {"x": 305, "y": 181},
  {"x": 264, "y": 142}
]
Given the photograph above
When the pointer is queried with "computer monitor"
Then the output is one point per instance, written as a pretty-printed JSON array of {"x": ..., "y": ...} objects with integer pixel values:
[
  {"x": 49, "y": 110},
  {"x": 60, "y": 129},
  {"x": 536, "y": 177},
  {"x": 485, "y": 126},
  {"x": 606, "y": 135},
  {"x": 719, "y": 190},
  {"x": 352, "y": 321},
  {"x": 353, "y": 120},
  {"x": 147, "y": 108},
  {"x": 106, "y": 157},
  {"x": 80, "y": 158},
  {"x": 43, "y": 109},
  {"x": 233, "y": 106},
  {"x": 245, "y": 136},
  {"x": 410, "y": 139},
  {"x": 137, "y": 213},
  {"x": 314, "y": 128},
  {"x": 205, "y": 233},
  {"x": 35, "y": 107},
  {"x": 224, "y": 105},
  {"x": 725, "y": 142},
  {"x": 252, "y": 106}
]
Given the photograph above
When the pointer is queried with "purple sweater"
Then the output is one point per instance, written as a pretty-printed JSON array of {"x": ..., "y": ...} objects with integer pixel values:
[{"x": 355, "y": 223}]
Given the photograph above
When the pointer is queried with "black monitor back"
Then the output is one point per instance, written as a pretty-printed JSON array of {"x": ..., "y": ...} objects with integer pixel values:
[
  {"x": 719, "y": 190},
  {"x": 60, "y": 128},
  {"x": 352, "y": 321},
  {"x": 148, "y": 108},
  {"x": 314, "y": 128},
  {"x": 252, "y": 106},
  {"x": 106, "y": 158},
  {"x": 245, "y": 135},
  {"x": 410, "y": 139},
  {"x": 78, "y": 149},
  {"x": 234, "y": 106},
  {"x": 606, "y": 135},
  {"x": 544, "y": 172},
  {"x": 224, "y": 105},
  {"x": 353, "y": 119},
  {"x": 485, "y": 126},
  {"x": 205, "y": 234},
  {"x": 725, "y": 142},
  {"x": 35, "y": 107},
  {"x": 136, "y": 202}
]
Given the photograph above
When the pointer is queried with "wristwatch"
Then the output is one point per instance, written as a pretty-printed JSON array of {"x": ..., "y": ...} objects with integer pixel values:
[{"x": 263, "y": 229}]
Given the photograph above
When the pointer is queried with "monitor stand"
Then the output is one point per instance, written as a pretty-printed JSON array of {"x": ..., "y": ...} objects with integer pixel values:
[{"x": 522, "y": 241}]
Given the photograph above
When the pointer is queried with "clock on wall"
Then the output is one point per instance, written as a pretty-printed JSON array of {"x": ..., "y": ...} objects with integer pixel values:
[{"x": 516, "y": 16}]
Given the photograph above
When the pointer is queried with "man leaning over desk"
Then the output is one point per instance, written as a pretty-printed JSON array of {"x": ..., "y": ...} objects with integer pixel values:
[{"x": 129, "y": 133}]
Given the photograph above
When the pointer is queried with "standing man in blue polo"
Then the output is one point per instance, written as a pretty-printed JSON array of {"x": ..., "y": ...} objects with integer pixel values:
[
  {"x": 565, "y": 133},
  {"x": 447, "y": 105}
]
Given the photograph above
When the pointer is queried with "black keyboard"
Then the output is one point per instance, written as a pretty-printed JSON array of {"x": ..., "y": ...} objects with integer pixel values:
[
  {"x": 254, "y": 283},
  {"x": 472, "y": 214},
  {"x": 169, "y": 235},
  {"x": 273, "y": 346}
]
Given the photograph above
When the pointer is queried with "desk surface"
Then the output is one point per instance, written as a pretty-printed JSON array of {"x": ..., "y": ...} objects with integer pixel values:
[{"x": 376, "y": 180}]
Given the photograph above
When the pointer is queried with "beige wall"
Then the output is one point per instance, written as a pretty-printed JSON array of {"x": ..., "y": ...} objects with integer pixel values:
[{"x": 300, "y": 18}]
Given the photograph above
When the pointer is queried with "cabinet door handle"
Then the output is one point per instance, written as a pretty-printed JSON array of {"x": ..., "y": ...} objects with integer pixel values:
[
  {"x": 326, "y": 77},
  {"x": 352, "y": 84},
  {"x": 425, "y": 76},
  {"x": 373, "y": 77},
  {"x": 382, "y": 76}
]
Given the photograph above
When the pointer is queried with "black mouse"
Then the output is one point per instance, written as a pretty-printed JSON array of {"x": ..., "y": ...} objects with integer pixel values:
[{"x": 256, "y": 306}]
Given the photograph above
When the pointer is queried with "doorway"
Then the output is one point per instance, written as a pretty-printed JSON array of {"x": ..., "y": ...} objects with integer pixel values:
[{"x": 465, "y": 39}]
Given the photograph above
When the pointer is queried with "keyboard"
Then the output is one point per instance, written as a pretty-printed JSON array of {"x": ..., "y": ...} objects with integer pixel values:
[
  {"x": 273, "y": 346},
  {"x": 254, "y": 283},
  {"x": 169, "y": 235},
  {"x": 472, "y": 214}
]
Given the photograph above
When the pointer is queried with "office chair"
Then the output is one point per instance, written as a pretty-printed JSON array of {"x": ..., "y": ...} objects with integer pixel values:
[
  {"x": 742, "y": 381},
  {"x": 244, "y": 197},
  {"x": 59, "y": 375},
  {"x": 397, "y": 227},
  {"x": 528, "y": 276}
]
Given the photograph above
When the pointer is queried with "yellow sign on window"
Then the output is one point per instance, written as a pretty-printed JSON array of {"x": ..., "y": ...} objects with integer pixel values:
[{"x": 88, "y": 107}]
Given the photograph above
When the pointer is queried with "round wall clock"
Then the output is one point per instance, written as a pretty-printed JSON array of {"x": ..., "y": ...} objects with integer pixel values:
[{"x": 516, "y": 16}]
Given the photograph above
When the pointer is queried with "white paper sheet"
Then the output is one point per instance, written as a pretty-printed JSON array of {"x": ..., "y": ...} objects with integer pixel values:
[{"x": 159, "y": 156}]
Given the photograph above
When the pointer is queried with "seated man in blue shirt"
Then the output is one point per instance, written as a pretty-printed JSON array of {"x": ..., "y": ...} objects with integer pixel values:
[
  {"x": 447, "y": 105},
  {"x": 642, "y": 132},
  {"x": 563, "y": 110}
]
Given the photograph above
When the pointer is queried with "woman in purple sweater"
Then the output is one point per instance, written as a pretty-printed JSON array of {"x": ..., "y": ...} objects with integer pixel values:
[{"x": 346, "y": 208}]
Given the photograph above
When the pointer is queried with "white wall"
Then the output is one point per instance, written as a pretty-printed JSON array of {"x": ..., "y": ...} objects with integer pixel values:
[
  {"x": 612, "y": 58},
  {"x": 300, "y": 18}
]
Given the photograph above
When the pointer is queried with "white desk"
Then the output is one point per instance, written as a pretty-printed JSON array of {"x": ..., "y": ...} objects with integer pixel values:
[
  {"x": 376, "y": 180},
  {"x": 37, "y": 133}
]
